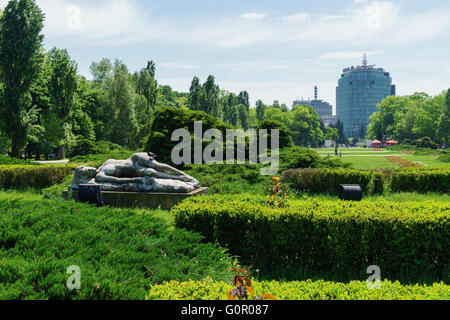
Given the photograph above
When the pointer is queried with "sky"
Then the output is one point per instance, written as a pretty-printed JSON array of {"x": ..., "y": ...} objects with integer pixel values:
[{"x": 276, "y": 50}]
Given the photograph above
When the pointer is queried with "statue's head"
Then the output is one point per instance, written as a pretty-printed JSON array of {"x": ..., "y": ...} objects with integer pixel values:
[{"x": 142, "y": 159}]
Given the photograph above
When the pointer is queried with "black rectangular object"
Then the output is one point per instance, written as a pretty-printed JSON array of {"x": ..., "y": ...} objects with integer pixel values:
[
  {"x": 350, "y": 192},
  {"x": 90, "y": 193}
]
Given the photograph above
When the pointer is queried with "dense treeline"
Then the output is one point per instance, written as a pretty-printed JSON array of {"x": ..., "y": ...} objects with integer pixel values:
[
  {"x": 47, "y": 107},
  {"x": 417, "y": 119}
]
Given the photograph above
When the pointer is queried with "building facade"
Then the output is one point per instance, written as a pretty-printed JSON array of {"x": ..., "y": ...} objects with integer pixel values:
[
  {"x": 359, "y": 91},
  {"x": 323, "y": 108}
]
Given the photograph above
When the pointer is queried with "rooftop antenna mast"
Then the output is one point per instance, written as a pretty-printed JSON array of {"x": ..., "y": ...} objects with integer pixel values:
[
  {"x": 364, "y": 62},
  {"x": 316, "y": 93}
]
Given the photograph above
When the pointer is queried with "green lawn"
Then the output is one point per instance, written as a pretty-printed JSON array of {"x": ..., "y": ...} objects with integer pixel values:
[
  {"x": 365, "y": 159},
  {"x": 366, "y": 163}
]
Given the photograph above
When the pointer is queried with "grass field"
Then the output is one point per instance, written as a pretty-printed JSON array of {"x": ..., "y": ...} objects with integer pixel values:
[{"x": 366, "y": 159}]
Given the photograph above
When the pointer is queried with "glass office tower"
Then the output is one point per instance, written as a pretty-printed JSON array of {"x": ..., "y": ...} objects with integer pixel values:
[{"x": 360, "y": 90}]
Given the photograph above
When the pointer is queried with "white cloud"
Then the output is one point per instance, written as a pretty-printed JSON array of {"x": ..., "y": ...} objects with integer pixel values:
[
  {"x": 114, "y": 22},
  {"x": 255, "y": 16},
  {"x": 332, "y": 17},
  {"x": 349, "y": 54},
  {"x": 378, "y": 22},
  {"x": 299, "y": 17}
]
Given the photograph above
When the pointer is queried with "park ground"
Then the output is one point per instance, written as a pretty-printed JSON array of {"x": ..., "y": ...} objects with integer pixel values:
[{"x": 127, "y": 253}]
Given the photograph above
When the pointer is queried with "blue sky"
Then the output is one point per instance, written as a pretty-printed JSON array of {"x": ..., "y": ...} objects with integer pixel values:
[{"x": 276, "y": 50}]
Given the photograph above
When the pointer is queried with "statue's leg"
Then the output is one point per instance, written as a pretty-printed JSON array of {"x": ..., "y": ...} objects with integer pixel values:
[{"x": 149, "y": 172}]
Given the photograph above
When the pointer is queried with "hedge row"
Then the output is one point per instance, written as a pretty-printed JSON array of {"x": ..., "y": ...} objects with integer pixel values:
[
  {"x": 407, "y": 180},
  {"x": 307, "y": 290},
  {"x": 406, "y": 240},
  {"x": 32, "y": 176}
]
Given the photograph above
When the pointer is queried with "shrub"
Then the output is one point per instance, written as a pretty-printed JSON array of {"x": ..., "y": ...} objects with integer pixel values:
[
  {"x": 83, "y": 148},
  {"x": 431, "y": 179},
  {"x": 306, "y": 290},
  {"x": 426, "y": 142},
  {"x": 436, "y": 180},
  {"x": 120, "y": 251},
  {"x": 167, "y": 120},
  {"x": 406, "y": 240},
  {"x": 9, "y": 161},
  {"x": 329, "y": 180},
  {"x": 285, "y": 134},
  {"x": 32, "y": 176}
]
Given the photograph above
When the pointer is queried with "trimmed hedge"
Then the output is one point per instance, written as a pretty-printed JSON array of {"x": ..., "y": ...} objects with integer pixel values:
[
  {"x": 408, "y": 241},
  {"x": 306, "y": 290},
  {"x": 437, "y": 180},
  {"x": 32, "y": 176},
  {"x": 329, "y": 180},
  {"x": 405, "y": 180}
]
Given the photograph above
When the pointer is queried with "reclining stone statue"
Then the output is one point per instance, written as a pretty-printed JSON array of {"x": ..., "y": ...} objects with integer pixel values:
[{"x": 140, "y": 173}]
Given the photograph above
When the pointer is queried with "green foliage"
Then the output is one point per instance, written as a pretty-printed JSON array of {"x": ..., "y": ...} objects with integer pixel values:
[
  {"x": 120, "y": 252},
  {"x": 285, "y": 134},
  {"x": 423, "y": 181},
  {"x": 205, "y": 97},
  {"x": 426, "y": 142},
  {"x": 9, "y": 161},
  {"x": 404, "y": 180},
  {"x": 20, "y": 59},
  {"x": 306, "y": 290},
  {"x": 19, "y": 176},
  {"x": 407, "y": 241},
  {"x": 329, "y": 180},
  {"x": 167, "y": 120},
  {"x": 94, "y": 154},
  {"x": 412, "y": 118}
]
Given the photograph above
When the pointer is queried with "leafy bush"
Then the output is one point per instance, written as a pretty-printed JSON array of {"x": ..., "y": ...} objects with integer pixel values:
[
  {"x": 94, "y": 154},
  {"x": 167, "y": 120},
  {"x": 9, "y": 161},
  {"x": 306, "y": 290},
  {"x": 83, "y": 148},
  {"x": 120, "y": 252},
  {"x": 329, "y": 180},
  {"x": 32, "y": 176},
  {"x": 431, "y": 179},
  {"x": 426, "y": 142},
  {"x": 437, "y": 180},
  {"x": 406, "y": 240},
  {"x": 286, "y": 140}
]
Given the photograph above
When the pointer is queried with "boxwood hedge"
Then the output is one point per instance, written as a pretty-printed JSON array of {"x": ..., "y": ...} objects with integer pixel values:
[
  {"x": 404, "y": 180},
  {"x": 408, "y": 241},
  {"x": 306, "y": 290},
  {"x": 16, "y": 176}
]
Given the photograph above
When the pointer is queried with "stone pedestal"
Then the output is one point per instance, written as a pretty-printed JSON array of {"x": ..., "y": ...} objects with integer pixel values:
[{"x": 142, "y": 200}]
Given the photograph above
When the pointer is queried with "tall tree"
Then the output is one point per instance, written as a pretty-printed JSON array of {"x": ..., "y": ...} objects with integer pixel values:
[
  {"x": 194, "y": 94},
  {"x": 151, "y": 69},
  {"x": 342, "y": 139},
  {"x": 121, "y": 100},
  {"x": 209, "y": 98},
  {"x": 244, "y": 99},
  {"x": 260, "y": 110},
  {"x": 147, "y": 86},
  {"x": 101, "y": 71},
  {"x": 62, "y": 88},
  {"x": 20, "y": 58}
]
